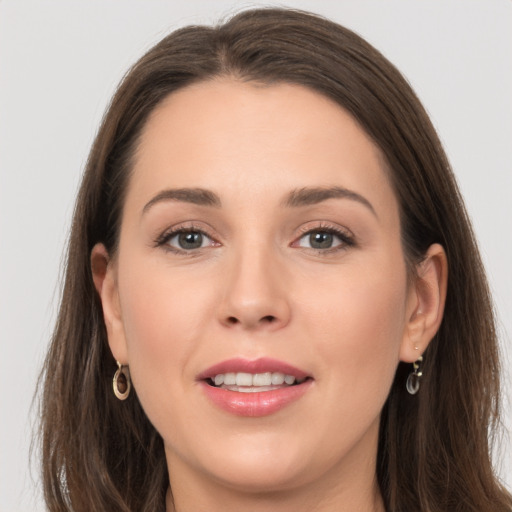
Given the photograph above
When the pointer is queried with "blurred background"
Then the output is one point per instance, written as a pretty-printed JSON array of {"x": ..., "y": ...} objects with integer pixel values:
[{"x": 60, "y": 62}]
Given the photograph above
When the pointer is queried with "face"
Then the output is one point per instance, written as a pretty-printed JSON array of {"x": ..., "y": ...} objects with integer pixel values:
[{"x": 260, "y": 240}]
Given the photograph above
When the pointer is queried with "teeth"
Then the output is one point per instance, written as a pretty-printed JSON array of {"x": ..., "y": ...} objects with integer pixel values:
[
  {"x": 258, "y": 380},
  {"x": 262, "y": 379},
  {"x": 277, "y": 378},
  {"x": 243, "y": 379},
  {"x": 229, "y": 379},
  {"x": 250, "y": 389},
  {"x": 289, "y": 379}
]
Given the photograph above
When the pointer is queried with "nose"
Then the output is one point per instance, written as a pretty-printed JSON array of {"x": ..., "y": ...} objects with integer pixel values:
[{"x": 255, "y": 293}]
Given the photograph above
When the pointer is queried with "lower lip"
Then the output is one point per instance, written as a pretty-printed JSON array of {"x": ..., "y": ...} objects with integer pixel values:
[{"x": 255, "y": 404}]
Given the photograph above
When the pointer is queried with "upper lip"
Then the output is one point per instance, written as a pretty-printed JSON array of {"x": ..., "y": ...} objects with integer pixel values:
[{"x": 261, "y": 365}]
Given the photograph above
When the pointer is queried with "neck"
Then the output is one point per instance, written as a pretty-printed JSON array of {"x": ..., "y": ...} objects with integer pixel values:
[
  {"x": 349, "y": 485},
  {"x": 229, "y": 501}
]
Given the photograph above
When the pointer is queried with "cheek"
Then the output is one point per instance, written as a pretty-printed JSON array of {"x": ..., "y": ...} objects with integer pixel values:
[
  {"x": 164, "y": 315},
  {"x": 359, "y": 324},
  {"x": 354, "y": 326}
]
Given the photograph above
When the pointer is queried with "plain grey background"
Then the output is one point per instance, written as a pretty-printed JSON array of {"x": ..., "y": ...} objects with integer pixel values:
[{"x": 60, "y": 62}]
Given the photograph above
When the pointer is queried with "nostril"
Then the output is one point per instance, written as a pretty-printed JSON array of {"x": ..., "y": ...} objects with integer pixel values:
[{"x": 269, "y": 319}]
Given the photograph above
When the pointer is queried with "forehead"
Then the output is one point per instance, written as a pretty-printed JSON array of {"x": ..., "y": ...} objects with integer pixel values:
[{"x": 232, "y": 136}]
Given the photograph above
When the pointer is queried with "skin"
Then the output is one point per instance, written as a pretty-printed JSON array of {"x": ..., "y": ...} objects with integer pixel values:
[{"x": 346, "y": 315}]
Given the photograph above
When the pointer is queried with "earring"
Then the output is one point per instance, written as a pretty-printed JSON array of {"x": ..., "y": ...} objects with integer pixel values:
[
  {"x": 122, "y": 383},
  {"x": 413, "y": 381}
]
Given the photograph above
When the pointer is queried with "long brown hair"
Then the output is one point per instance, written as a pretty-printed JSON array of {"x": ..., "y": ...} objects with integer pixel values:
[{"x": 434, "y": 448}]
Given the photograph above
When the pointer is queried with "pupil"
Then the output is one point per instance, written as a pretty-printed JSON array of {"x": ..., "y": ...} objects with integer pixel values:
[
  {"x": 320, "y": 240},
  {"x": 190, "y": 240}
]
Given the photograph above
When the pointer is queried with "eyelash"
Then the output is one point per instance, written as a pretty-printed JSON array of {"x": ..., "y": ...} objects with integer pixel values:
[
  {"x": 346, "y": 238},
  {"x": 164, "y": 238}
]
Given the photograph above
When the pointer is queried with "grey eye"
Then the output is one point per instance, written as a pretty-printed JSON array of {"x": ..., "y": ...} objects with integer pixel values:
[
  {"x": 320, "y": 240},
  {"x": 189, "y": 240}
]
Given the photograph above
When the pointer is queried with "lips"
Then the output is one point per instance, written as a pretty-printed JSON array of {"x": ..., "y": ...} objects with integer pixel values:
[{"x": 253, "y": 388}]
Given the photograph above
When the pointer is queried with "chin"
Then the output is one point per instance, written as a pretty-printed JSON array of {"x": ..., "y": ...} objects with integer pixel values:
[
  {"x": 266, "y": 462},
  {"x": 268, "y": 477},
  {"x": 258, "y": 462}
]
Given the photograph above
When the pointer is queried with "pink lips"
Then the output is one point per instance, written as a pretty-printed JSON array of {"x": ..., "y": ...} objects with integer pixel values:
[
  {"x": 253, "y": 404},
  {"x": 264, "y": 364}
]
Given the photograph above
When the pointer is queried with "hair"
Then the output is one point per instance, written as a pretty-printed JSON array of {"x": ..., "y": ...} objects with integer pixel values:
[{"x": 434, "y": 451}]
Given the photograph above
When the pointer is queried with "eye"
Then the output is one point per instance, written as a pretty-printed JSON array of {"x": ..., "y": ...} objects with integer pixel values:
[
  {"x": 319, "y": 240},
  {"x": 186, "y": 240},
  {"x": 324, "y": 239}
]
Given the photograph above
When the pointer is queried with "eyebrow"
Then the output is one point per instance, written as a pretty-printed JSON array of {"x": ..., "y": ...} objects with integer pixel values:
[
  {"x": 305, "y": 196},
  {"x": 198, "y": 196},
  {"x": 313, "y": 195}
]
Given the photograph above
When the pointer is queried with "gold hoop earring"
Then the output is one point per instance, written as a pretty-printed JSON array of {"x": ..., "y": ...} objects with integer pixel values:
[
  {"x": 413, "y": 381},
  {"x": 122, "y": 383}
]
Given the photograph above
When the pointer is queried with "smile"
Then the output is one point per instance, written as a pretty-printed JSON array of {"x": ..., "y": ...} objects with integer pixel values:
[
  {"x": 257, "y": 382},
  {"x": 264, "y": 387}
]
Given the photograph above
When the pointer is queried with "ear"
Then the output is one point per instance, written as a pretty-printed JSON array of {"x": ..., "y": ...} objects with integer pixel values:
[
  {"x": 425, "y": 303},
  {"x": 104, "y": 274}
]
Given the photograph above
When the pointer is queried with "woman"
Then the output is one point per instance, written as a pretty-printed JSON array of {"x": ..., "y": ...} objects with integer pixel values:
[{"x": 271, "y": 259}]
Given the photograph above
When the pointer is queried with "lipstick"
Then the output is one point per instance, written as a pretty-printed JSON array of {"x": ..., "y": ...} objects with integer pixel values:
[{"x": 253, "y": 387}]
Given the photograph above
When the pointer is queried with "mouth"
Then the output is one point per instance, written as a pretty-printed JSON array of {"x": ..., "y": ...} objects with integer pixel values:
[
  {"x": 244, "y": 382},
  {"x": 254, "y": 388}
]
